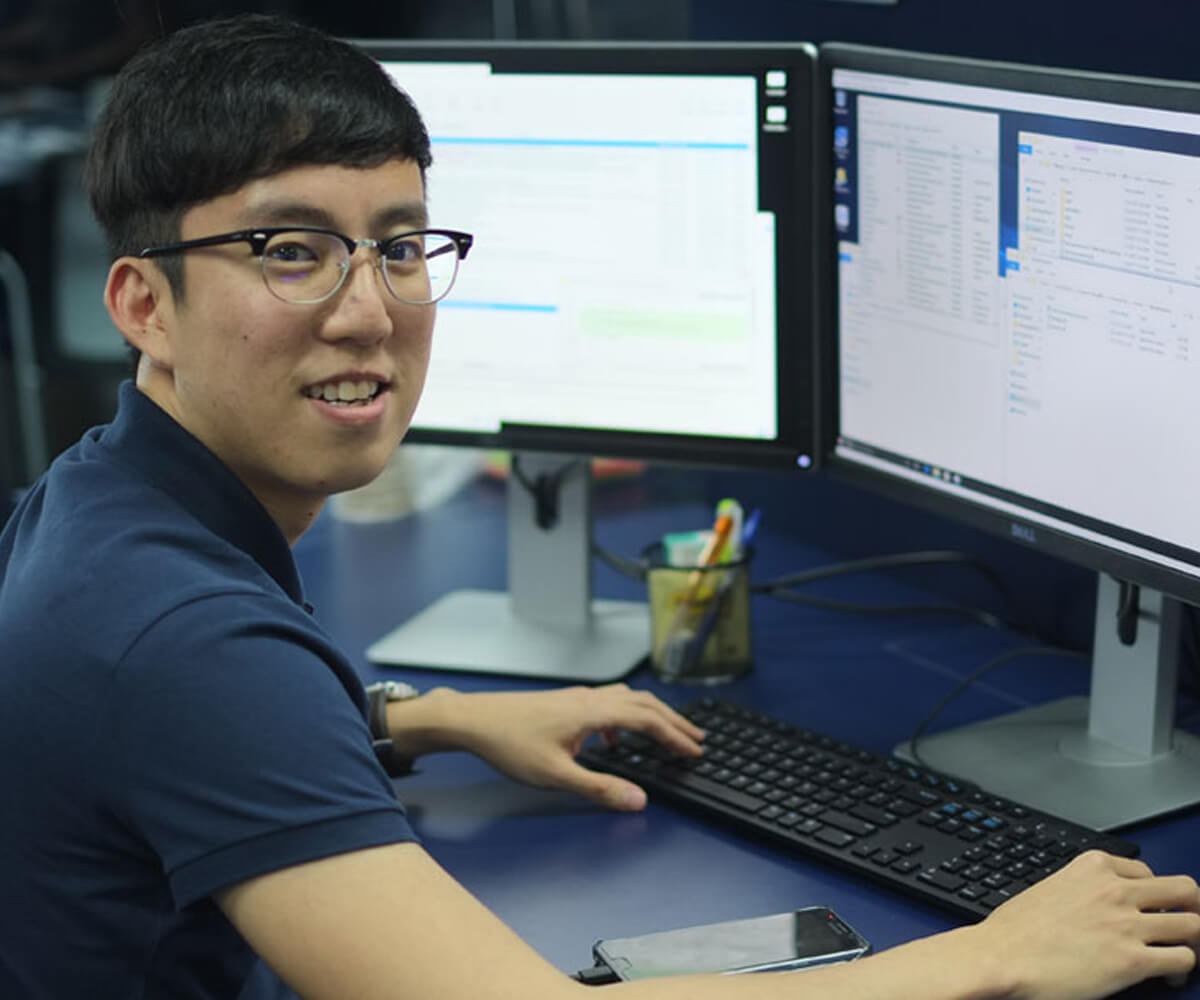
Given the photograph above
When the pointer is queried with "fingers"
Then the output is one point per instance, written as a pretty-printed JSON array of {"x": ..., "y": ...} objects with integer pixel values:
[
  {"x": 604, "y": 789},
  {"x": 1173, "y": 892},
  {"x": 1171, "y": 928},
  {"x": 642, "y": 712},
  {"x": 1125, "y": 867},
  {"x": 1136, "y": 884},
  {"x": 1175, "y": 962}
]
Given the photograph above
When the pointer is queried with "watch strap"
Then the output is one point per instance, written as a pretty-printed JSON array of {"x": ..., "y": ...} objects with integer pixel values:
[{"x": 379, "y": 695}]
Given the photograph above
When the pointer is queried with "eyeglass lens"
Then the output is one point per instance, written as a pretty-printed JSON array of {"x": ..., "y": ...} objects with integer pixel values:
[{"x": 309, "y": 267}]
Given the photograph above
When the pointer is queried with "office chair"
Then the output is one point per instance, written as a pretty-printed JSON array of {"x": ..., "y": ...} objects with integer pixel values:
[{"x": 78, "y": 355}]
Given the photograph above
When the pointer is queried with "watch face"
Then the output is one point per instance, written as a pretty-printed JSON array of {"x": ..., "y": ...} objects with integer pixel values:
[{"x": 399, "y": 691}]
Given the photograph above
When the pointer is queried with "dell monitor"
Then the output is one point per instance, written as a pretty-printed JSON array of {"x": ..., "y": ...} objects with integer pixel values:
[
  {"x": 1015, "y": 258},
  {"x": 640, "y": 286}
]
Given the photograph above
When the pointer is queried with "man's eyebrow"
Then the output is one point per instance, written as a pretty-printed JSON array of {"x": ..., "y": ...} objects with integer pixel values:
[
  {"x": 283, "y": 213},
  {"x": 408, "y": 214}
]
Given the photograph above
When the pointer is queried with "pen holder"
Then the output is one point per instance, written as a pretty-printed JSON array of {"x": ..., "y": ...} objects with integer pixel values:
[{"x": 700, "y": 619}]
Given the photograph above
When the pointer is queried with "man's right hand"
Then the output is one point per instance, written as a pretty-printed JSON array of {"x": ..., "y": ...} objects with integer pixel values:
[{"x": 1100, "y": 924}]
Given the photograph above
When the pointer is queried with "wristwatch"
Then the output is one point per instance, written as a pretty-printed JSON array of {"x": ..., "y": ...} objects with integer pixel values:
[{"x": 379, "y": 695}]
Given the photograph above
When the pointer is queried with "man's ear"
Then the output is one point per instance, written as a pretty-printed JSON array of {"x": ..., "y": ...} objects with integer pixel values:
[{"x": 140, "y": 302}]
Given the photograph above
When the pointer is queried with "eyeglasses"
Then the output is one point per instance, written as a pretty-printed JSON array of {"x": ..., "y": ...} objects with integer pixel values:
[{"x": 305, "y": 265}]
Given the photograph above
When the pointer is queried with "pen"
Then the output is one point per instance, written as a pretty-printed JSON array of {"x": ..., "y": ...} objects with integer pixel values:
[
  {"x": 709, "y": 622},
  {"x": 709, "y": 556},
  {"x": 731, "y": 548},
  {"x": 678, "y": 640},
  {"x": 751, "y": 527}
]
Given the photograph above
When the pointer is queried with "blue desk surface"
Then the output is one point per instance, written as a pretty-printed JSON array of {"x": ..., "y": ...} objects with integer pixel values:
[{"x": 563, "y": 873}]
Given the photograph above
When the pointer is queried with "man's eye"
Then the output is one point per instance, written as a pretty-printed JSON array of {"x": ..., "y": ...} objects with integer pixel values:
[
  {"x": 292, "y": 253},
  {"x": 404, "y": 251}
]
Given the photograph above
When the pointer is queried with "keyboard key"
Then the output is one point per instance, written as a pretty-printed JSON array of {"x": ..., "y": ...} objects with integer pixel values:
[
  {"x": 835, "y": 837},
  {"x": 846, "y": 822},
  {"x": 715, "y": 790},
  {"x": 943, "y": 880},
  {"x": 873, "y": 814}
]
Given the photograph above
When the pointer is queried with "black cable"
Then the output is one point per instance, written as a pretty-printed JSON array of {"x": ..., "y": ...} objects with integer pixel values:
[
  {"x": 544, "y": 490},
  {"x": 895, "y": 560},
  {"x": 900, "y": 560},
  {"x": 635, "y": 569},
  {"x": 1128, "y": 606},
  {"x": 971, "y": 678},
  {"x": 848, "y": 607}
]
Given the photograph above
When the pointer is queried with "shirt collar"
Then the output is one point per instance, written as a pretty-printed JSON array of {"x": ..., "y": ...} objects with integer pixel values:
[{"x": 146, "y": 438}]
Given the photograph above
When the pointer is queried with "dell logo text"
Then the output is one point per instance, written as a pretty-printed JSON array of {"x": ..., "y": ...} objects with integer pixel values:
[{"x": 1023, "y": 533}]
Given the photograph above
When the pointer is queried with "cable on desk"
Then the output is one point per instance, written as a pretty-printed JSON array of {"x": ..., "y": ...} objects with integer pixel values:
[
  {"x": 848, "y": 607},
  {"x": 903, "y": 560},
  {"x": 971, "y": 678},
  {"x": 895, "y": 560},
  {"x": 635, "y": 569}
]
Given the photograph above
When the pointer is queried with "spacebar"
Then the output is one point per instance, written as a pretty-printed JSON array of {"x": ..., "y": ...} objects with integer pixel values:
[{"x": 714, "y": 790}]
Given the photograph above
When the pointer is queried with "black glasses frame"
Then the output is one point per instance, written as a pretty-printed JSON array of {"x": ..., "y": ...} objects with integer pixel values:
[{"x": 259, "y": 238}]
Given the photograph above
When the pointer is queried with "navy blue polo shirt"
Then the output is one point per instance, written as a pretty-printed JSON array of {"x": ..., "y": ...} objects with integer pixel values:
[{"x": 172, "y": 720}]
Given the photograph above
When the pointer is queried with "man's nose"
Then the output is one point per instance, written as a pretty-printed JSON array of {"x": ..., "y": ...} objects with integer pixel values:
[{"x": 361, "y": 304}]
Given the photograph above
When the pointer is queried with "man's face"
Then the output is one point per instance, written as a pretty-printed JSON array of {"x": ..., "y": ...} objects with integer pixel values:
[{"x": 246, "y": 372}]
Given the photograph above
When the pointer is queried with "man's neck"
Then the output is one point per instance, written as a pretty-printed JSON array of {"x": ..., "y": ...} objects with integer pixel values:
[{"x": 294, "y": 515}]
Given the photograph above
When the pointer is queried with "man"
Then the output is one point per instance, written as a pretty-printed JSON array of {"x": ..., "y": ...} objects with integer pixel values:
[{"x": 187, "y": 753}]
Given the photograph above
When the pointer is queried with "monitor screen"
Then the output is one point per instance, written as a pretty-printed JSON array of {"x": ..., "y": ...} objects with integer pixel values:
[
  {"x": 1016, "y": 258},
  {"x": 1018, "y": 286},
  {"x": 640, "y": 283},
  {"x": 640, "y": 286}
]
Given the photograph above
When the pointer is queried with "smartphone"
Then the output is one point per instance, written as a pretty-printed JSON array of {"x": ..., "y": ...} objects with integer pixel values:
[{"x": 801, "y": 939}]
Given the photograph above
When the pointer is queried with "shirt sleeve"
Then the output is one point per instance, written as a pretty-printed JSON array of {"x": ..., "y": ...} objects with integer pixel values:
[{"x": 238, "y": 748}]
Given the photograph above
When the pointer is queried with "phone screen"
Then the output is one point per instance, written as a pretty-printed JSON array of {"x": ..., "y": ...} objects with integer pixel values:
[{"x": 812, "y": 936}]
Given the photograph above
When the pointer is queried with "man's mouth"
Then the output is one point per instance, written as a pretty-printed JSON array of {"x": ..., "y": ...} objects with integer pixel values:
[{"x": 346, "y": 392}]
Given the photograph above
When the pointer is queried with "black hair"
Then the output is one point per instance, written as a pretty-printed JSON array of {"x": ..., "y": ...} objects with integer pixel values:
[{"x": 218, "y": 104}]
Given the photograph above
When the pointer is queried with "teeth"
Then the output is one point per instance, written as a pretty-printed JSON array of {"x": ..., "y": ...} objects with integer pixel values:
[{"x": 345, "y": 391}]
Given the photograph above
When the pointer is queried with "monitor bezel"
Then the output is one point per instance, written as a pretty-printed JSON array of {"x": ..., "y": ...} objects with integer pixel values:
[
  {"x": 797, "y": 444},
  {"x": 1027, "y": 532}
]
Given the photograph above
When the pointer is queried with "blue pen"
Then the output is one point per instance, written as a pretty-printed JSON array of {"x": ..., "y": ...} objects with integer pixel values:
[{"x": 750, "y": 529}]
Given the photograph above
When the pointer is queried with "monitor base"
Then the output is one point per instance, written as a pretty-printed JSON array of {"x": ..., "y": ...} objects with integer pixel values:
[
  {"x": 475, "y": 631},
  {"x": 1044, "y": 757}
]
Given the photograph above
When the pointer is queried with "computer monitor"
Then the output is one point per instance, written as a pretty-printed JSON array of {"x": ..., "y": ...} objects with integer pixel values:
[
  {"x": 640, "y": 286},
  {"x": 1016, "y": 258}
]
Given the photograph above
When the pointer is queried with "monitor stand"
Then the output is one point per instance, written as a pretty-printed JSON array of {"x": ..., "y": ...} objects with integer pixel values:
[
  {"x": 547, "y": 624},
  {"x": 1106, "y": 761}
]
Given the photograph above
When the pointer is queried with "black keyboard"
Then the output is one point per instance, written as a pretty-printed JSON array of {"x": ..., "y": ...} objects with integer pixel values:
[{"x": 926, "y": 834}]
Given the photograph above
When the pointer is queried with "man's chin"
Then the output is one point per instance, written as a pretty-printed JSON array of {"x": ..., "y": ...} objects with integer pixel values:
[{"x": 359, "y": 480}]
